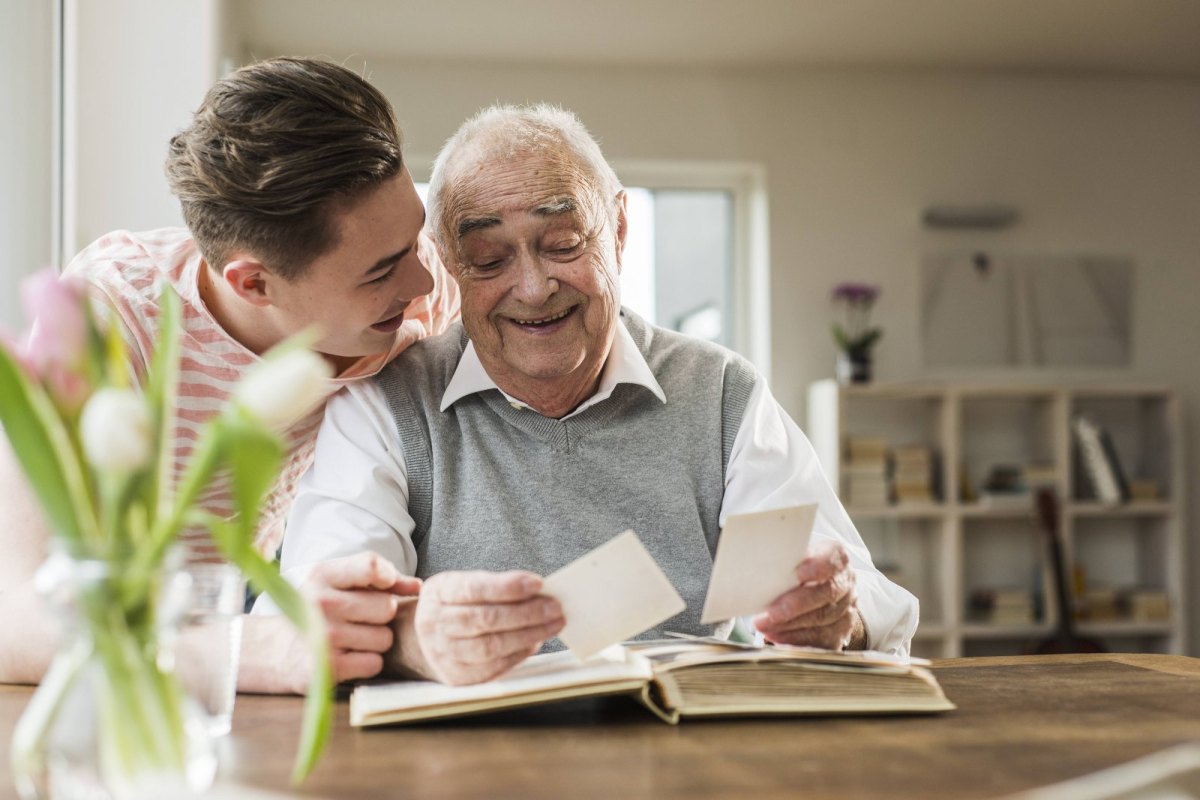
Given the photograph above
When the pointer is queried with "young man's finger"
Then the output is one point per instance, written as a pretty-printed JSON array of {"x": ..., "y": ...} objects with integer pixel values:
[
  {"x": 355, "y": 665},
  {"x": 406, "y": 586},
  {"x": 359, "y": 571},
  {"x": 365, "y": 638}
]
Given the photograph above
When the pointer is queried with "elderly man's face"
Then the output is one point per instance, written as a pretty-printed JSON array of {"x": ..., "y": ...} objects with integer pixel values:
[{"x": 537, "y": 258}]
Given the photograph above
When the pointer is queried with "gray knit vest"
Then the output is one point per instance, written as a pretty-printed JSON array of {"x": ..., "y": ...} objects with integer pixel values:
[{"x": 494, "y": 487}]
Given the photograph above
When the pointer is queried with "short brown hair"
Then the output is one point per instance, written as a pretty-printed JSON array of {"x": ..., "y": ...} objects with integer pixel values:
[{"x": 274, "y": 148}]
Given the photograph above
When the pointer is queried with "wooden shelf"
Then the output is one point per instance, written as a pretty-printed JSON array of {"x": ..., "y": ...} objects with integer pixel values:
[
  {"x": 924, "y": 511},
  {"x": 978, "y": 511},
  {"x": 948, "y": 549},
  {"x": 1143, "y": 508},
  {"x": 1120, "y": 627},
  {"x": 983, "y": 630},
  {"x": 927, "y": 631}
]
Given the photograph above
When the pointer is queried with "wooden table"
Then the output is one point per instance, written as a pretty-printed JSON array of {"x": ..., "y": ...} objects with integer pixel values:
[{"x": 1021, "y": 722}]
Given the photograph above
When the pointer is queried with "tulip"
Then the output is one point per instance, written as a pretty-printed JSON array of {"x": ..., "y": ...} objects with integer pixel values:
[
  {"x": 16, "y": 350},
  {"x": 59, "y": 325},
  {"x": 68, "y": 388},
  {"x": 282, "y": 388},
  {"x": 116, "y": 430}
]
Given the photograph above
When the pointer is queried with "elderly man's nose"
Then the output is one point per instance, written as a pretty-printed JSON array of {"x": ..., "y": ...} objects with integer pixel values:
[{"x": 535, "y": 284}]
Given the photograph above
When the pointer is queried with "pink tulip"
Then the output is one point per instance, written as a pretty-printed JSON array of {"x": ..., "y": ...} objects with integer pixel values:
[
  {"x": 58, "y": 330},
  {"x": 16, "y": 348},
  {"x": 67, "y": 388}
]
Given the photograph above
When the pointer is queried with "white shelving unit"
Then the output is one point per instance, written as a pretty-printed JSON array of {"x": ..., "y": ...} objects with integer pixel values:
[{"x": 944, "y": 550}]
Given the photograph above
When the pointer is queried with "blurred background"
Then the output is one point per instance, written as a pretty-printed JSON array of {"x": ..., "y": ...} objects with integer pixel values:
[{"x": 1020, "y": 179}]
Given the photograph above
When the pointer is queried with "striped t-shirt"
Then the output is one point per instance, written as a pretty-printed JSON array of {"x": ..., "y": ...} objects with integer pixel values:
[{"x": 129, "y": 272}]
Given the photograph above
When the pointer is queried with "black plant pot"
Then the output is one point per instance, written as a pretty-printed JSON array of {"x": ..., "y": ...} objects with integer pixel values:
[{"x": 854, "y": 366}]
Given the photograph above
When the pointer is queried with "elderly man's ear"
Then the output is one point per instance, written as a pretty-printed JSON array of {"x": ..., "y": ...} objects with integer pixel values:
[
  {"x": 622, "y": 226},
  {"x": 443, "y": 255}
]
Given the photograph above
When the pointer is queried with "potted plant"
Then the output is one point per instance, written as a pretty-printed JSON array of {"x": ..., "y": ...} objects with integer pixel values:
[{"x": 855, "y": 337}]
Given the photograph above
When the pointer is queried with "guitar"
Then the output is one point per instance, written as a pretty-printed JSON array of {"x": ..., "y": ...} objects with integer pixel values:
[{"x": 1064, "y": 639}]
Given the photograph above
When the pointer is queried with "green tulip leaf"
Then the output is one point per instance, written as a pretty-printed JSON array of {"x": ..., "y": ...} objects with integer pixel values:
[
  {"x": 43, "y": 447},
  {"x": 253, "y": 456}
]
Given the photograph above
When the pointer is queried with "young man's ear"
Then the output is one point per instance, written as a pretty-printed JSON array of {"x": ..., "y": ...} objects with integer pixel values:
[{"x": 248, "y": 280}]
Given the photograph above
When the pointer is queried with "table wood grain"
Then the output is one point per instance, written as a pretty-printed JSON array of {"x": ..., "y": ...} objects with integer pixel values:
[{"x": 1021, "y": 722}]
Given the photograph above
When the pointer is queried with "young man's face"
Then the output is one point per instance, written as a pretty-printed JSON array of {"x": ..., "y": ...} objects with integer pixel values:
[{"x": 357, "y": 292}]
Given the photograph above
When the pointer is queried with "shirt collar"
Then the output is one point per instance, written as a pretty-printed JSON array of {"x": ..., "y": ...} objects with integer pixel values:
[{"x": 625, "y": 364}]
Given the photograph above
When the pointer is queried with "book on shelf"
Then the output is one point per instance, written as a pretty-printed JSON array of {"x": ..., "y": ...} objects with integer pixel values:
[
  {"x": 910, "y": 496},
  {"x": 1006, "y": 500},
  {"x": 674, "y": 679},
  {"x": 866, "y": 448},
  {"x": 1098, "y": 604},
  {"x": 1002, "y": 606},
  {"x": 1038, "y": 476},
  {"x": 1145, "y": 490},
  {"x": 863, "y": 491},
  {"x": 912, "y": 473},
  {"x": 865, "y": 469},
  {"x": 1101, "y": 465},
  {"x": 1146, "y": 605}
]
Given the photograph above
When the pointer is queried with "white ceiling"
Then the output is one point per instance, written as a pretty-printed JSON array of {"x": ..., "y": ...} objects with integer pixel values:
[{"x": 1136, "y": 37}]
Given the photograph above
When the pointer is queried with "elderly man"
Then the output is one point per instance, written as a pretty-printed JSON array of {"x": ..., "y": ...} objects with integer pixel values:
[{"x": 551, "y": 420}]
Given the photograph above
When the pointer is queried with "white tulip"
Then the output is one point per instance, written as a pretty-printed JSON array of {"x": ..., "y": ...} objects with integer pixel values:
[
  {"x": 116, "y": 430},
  {"x": 281, "y": 389}
]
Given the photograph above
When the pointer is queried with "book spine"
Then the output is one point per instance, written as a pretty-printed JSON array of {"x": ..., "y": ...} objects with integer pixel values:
[
  {"x": 1114, "y": 465},
  {"x": 1096, "y": 462}
]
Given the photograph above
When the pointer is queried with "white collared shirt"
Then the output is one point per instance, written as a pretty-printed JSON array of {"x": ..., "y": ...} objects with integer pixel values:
[{"x": 355, "y": 496}]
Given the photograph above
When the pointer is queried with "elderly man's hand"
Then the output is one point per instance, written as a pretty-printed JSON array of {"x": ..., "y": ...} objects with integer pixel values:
[
  {"x": 821, "y": 611},
  {"x": 473, "y": 626},
  {"x": 359, "y": 596}
]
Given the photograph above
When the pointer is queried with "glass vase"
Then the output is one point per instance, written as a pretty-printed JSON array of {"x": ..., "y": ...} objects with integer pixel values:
[{"x": 110, "y": 720}]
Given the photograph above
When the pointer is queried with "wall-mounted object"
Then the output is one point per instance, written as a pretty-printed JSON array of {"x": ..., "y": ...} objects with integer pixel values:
[
  {"x": 982, "y": 309},
  {"x": 969, "y": 217}
]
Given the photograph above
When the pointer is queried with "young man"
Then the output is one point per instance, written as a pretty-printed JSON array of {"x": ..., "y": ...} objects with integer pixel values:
[{"x": 300, "y": 213}]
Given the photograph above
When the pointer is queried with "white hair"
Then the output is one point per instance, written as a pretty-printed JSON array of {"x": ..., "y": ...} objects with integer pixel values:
[{"x": 508, "y": 131}]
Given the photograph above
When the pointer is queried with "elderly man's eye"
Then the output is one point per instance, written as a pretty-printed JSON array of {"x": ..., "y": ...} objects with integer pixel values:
[{"x": 566, "y": 248}]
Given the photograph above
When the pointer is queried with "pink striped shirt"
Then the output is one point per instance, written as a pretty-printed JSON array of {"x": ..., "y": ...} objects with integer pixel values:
[{"x": 129, "y": 271}]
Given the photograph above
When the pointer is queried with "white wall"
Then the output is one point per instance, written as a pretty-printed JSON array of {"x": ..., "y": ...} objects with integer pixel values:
[
  {"x": 26, "y": 74},
  {"x": 135, "y": 70},
  {"x": 1094, "y": 165}
]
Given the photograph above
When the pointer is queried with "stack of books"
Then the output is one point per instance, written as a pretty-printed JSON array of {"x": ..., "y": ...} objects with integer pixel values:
[
  {"x": 1002, "y": 606},
  {"x": 912, "y": 474},
  {"x": 1147, "y": 605},
  {"x": 1004, "y": 488},
  {"x": 1098, "y": 605},
  {"x": 1039, "y": 476},
  {"x": 866, "y": 478}
]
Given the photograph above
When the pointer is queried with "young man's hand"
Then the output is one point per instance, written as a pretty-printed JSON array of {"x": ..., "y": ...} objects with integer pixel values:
[{"x": 359, "y": 596}]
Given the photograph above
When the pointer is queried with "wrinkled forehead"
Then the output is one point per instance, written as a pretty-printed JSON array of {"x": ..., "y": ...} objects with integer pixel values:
[{"x": 488, "y": 188}]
